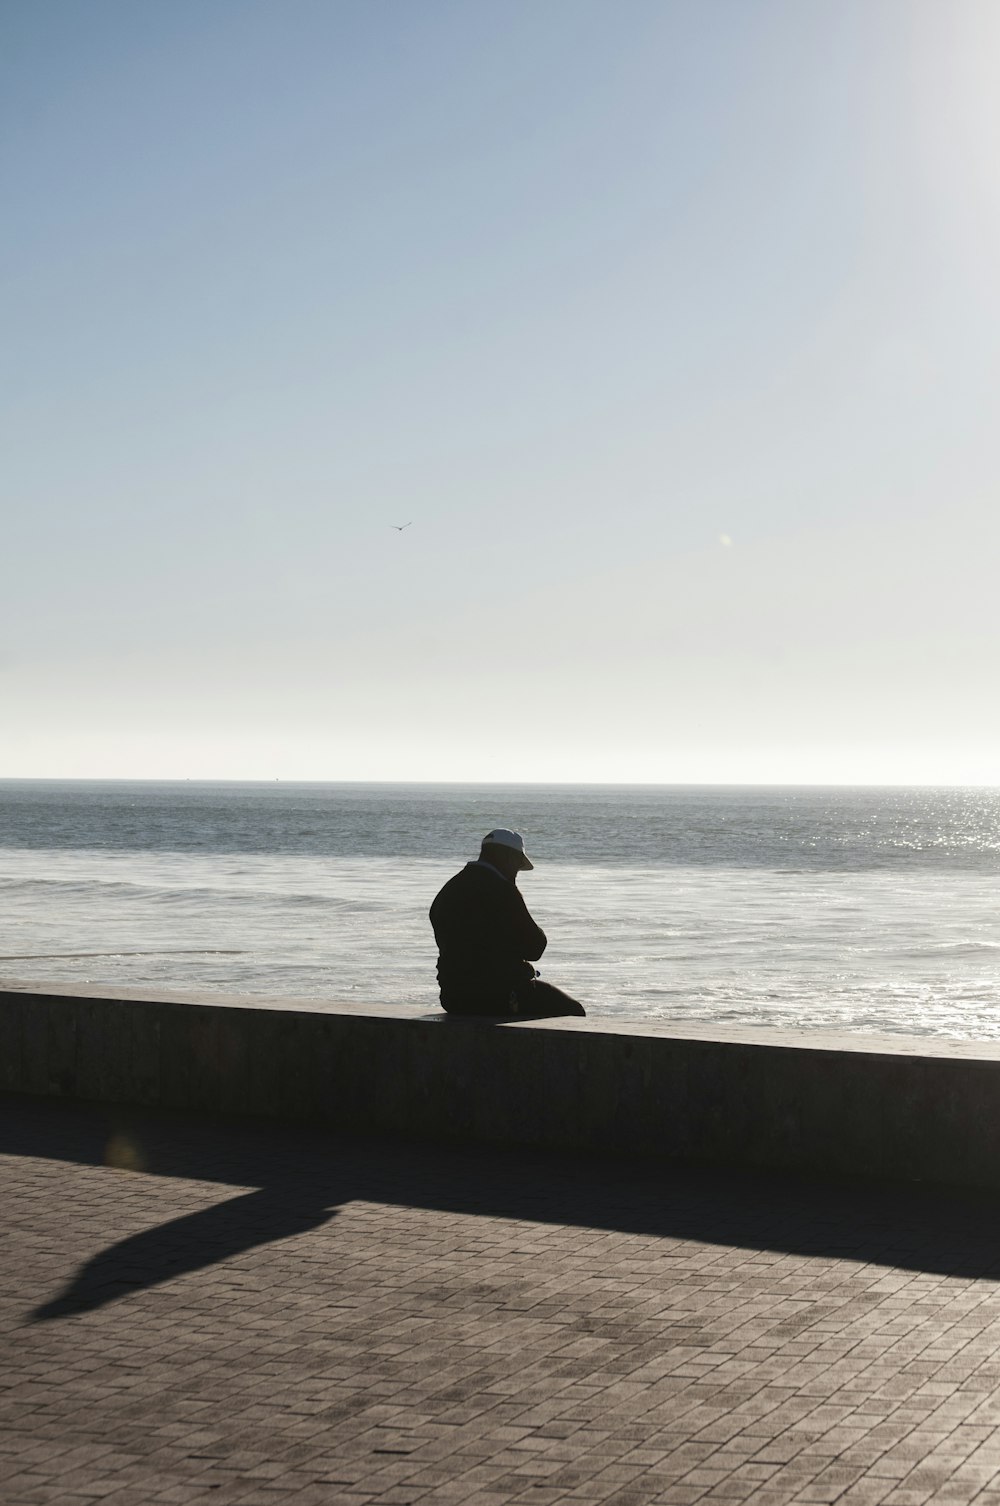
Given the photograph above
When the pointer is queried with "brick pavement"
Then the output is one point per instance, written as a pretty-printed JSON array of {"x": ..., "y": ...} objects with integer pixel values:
[{"x": 249, "y": 1314}]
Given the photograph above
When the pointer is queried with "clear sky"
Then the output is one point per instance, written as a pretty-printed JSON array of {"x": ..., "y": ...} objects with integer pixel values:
[{"x": 670, "y": 327}]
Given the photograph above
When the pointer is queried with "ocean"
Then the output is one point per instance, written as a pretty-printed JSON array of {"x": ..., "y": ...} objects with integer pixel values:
[{"x": 854, "y": 909}]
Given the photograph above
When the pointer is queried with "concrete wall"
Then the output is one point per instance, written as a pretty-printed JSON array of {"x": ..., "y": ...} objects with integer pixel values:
[{"x": 892, "y": 1107}]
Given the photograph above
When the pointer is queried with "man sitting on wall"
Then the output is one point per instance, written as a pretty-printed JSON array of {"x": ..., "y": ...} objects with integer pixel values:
[{"x": 487, "y": 941}]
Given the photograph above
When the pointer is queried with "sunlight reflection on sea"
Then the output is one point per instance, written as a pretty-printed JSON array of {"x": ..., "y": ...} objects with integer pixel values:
[{"x": 877, "y": 950}]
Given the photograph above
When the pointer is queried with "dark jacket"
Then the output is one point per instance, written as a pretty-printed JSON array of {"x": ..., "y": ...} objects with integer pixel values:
[{"x": 486, "y": 938}]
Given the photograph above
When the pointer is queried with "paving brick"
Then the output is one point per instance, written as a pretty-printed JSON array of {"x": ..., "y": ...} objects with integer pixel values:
[{"x": 267, "y": 1316}]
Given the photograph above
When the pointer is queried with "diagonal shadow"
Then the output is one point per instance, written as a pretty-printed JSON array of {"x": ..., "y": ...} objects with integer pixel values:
[
  {"x": 187, "y": 1244},
  {"x": 303, "y": 1176}
]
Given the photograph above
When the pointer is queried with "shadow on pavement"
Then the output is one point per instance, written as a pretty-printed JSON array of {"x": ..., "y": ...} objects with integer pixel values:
[
  {"x": 303, "y": 1176},
  {"x": 188, "y": 1244}
]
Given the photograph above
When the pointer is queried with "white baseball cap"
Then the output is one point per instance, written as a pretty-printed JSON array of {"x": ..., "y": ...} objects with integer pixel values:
[{"x": 504, "y": 838}]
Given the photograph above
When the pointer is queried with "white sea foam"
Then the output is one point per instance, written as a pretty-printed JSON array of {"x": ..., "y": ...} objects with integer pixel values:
[{"x": 863, "y": 950}]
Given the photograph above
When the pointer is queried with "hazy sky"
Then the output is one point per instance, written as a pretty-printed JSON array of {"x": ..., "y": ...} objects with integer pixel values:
[{"x": 672, "y": 325}]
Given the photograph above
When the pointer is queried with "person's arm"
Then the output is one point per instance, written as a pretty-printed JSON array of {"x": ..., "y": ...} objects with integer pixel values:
[{"x": 531, "y": 939}]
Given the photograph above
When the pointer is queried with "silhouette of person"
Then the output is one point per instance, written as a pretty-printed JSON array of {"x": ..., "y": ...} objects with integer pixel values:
[{"x": 487, "y": 941}]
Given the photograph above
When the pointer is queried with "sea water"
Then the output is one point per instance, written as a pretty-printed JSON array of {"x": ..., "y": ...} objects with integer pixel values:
[{"x": 857, "y": 909}]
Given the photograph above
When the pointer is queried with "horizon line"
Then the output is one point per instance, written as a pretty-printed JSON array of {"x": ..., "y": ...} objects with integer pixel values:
[{"x": 677, "y": 784}]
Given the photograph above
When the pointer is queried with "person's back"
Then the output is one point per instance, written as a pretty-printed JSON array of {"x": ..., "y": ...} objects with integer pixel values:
[{"x": 487, "y": 941}]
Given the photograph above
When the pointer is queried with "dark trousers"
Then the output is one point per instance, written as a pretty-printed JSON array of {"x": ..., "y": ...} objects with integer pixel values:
[{"x": 531, "y": 1000}]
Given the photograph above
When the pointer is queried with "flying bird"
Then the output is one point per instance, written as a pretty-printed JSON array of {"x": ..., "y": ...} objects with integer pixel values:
[{"x": 400, "y": 526}]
